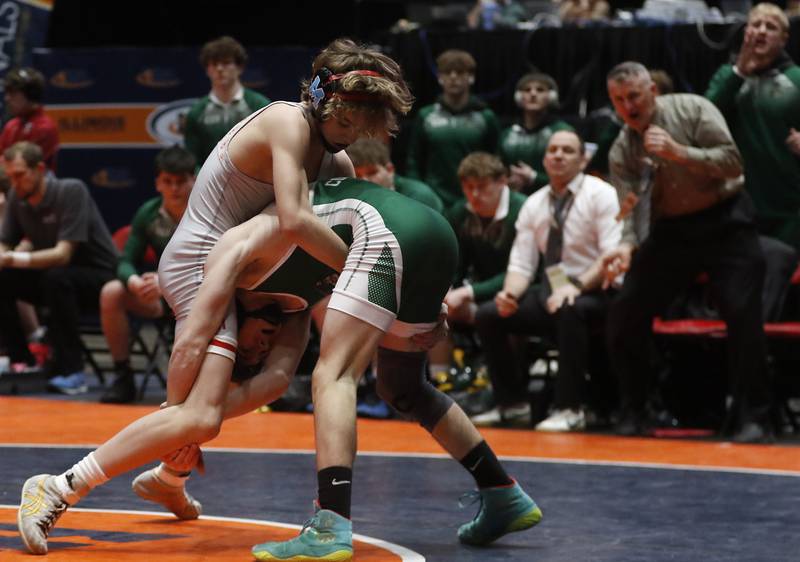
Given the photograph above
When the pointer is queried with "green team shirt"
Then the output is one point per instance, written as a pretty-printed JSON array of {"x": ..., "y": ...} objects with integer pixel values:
[
  {"x": 442, "y": 137},
  {"x": 761, "y": 110},
  {"x": 368, "y": 217},
  {"x": 418, "y": 191},
  {"x": 208, "y": 121},
  {"x": 484, "y": 246},
  {"x": 151, "y": 227},
  {"x": 518, "y": 144}
]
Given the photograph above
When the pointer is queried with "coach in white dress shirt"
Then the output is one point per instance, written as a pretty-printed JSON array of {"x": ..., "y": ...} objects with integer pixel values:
[{"x": 568, "y": 224}]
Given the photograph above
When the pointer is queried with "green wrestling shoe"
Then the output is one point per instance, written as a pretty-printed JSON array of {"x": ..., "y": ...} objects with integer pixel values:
[
  {"x": 326, "y": 536},
  {"x": 503, "y": 510}
]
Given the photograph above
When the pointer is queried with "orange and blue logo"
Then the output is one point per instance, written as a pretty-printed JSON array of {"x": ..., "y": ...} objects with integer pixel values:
[
  {"x": 113, "y": 178},
  {"x": 121, "y": 125},
  {"x": 165, "y": 123},
  {"x": 71, "y": 79},
  {"x": 158, "y": 77}
]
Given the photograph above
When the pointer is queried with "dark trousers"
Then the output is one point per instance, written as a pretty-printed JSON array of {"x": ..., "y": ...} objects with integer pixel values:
[
  {"x": 66, "y": 292},
  {"x": 569, "y": 328},
  {"x": 723, "y": 242}
]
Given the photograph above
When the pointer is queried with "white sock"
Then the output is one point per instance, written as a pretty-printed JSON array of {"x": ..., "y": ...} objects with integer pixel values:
[
  {"x": 167, "y": 477},
  {"x": 79, "y": 480}
]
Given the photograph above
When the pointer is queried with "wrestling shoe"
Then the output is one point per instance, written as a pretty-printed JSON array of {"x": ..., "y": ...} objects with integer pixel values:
[
  {"x": 39, "y": 509},
  {"x": 176, "y": 499},
  {"x": 504, "y": 509},
  {"x": 326, "y": 536}
]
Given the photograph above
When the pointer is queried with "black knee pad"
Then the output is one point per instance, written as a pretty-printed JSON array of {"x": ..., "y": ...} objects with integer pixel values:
[{"x": 403, "y": 384}]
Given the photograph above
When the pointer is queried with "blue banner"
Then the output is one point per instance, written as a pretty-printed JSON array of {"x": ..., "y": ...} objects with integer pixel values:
[
  {"x": 116, "y": 108},
  {"x": 23, "y": 28}
]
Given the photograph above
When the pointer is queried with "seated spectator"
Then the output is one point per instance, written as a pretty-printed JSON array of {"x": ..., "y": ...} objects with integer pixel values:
[
  {"x": 484, "y": 225},
  {"x": 228, "y": 102},
  {"x": 24, "y": 89},
  {"x": 444, "y": 132},
  {"x": 496, "y": 14},
  {"x": 577, "y": 11},
  {"x": 759, "y": 95},
  {"x": 135, "y": 291},
  {"x": 73, "y": 256},
  {"x": 371, "y": 160},
  {"x": 569, "y": 224},
  {"x": 522, "y": 146}
]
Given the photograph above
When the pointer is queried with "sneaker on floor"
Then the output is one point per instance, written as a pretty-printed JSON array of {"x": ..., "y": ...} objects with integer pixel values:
[
  {"x": 489, "y": 417},
  {"x": 122, "y": 390},
  {"x": 39, "y": 509},
  {"x": 70, "y": 384},
  {"x": 564, "y": 420},
  {"x": 516, "y": 412},
  {"x": 176, "y": 499},
  {"x": 377, "y": 410},
  {"x": 326, "y": 536},
  {"x": 503, "y": 510}
]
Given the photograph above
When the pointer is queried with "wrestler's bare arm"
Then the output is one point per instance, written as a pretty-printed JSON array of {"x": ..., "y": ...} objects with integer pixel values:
[
  {"x": 279, "y": 368},
  {"x": 230, "y": 264}
]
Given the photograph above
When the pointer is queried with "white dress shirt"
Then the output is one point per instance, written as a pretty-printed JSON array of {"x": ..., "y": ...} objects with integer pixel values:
[{"x": 590, "y": 228}]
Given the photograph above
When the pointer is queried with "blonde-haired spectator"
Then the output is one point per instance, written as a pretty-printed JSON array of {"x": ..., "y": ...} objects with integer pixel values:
[{"x": 760, "y": 97}]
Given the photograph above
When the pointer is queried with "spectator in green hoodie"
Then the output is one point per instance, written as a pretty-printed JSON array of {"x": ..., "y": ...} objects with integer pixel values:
[
  {"x": 446, "y": 131},
  {"x": 759, "y": 95}
]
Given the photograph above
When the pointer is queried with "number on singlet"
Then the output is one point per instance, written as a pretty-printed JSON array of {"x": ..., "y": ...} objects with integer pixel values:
[{"x": 334, "y": 182}]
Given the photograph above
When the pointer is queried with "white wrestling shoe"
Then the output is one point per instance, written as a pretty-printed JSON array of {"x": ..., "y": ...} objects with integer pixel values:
[
  {"x": 176, "y": 499},
  {"x": 39, "y": 509}
]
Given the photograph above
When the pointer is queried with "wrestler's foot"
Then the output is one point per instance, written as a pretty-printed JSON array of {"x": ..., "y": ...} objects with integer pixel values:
[
  {"x": 176, "y": 499},
  {"x": 326, "y": 536},
  {"x": 504, "y": 509},
  {"x": 40, "y": 508}
]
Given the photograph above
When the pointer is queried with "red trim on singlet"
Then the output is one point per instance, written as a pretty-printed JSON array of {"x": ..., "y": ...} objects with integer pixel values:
[{"x": 223, "y": 345}]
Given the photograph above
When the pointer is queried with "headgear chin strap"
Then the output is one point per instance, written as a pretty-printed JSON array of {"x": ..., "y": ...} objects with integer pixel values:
[{"x": 324, "y": 86}]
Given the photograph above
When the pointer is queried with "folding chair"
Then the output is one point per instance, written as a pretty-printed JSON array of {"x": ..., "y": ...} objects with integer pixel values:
[{"x": 94, "y": 341}]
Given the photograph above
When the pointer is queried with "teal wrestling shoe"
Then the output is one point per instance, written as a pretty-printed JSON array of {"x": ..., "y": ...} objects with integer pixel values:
[
  {"x": 503, "y": 510},
  {"x": 327, "y": 536}
]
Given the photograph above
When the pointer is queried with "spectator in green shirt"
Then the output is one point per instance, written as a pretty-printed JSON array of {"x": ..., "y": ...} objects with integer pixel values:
[
  {"x": 759, "y": 95},
  {"x": 446, "y": 131},
  {"x": 228, "y": 102},
  {"x": 135, "y": 291},
  {"x": 484, "y": 223},
  {"x": 372, "y": 162},
  {"x": 523, "y": 145}
]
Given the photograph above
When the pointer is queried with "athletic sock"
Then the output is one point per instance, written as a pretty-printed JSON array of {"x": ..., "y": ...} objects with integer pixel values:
[
  {"x": 79, "y": 480},
  {"x": 484, "y": 467},
  {"x": 334, "y": 486},
  {"x": 171, "y": 476},
  {"x": 122, "y": 367}
]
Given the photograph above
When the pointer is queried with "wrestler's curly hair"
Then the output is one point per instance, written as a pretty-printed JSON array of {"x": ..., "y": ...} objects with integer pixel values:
[{"x": 386, "y": 96}]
